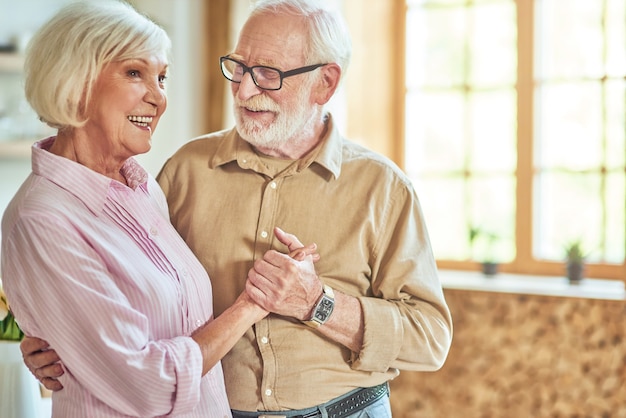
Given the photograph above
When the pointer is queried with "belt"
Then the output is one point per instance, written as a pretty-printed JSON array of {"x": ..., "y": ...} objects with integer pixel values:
[{"x": 336, "y": 408}]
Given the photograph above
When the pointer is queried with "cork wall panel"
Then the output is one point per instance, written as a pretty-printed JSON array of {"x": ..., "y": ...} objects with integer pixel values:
[{"x": 520, "y": 356}]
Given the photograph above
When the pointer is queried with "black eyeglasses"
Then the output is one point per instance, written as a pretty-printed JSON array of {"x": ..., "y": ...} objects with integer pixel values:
[{"x": 266, "y": 78}]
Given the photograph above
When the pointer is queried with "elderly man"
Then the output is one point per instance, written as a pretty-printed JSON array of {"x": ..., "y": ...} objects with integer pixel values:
[{"x": 374, "y": 304}]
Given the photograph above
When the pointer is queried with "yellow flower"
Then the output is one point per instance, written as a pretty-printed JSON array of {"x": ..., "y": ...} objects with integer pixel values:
[{"x": 4, "y": 304}]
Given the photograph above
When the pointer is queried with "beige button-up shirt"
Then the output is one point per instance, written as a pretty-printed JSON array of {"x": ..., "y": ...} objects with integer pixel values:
[{"x": 364, "y": 215}]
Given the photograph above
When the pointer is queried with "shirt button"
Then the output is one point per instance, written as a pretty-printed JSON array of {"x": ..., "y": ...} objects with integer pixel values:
[
  {"x": 264, "y": 340},
  {"x": 268, "y": 392},
  {"x": 263, "y": 234},
  {"x": 273, "y": 185},
  {"x": 198, "y": 322},
  {"x": 154, "y": 231}
]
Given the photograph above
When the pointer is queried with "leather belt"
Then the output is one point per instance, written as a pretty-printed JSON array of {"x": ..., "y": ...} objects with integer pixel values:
[{"x": 337, "y": 408}]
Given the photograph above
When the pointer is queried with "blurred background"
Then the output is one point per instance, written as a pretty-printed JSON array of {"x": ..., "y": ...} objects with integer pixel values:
[{"x": 509, "y": 116}]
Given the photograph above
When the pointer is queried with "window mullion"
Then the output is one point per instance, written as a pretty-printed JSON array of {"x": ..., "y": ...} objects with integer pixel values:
[{"x": 525, "y": 111}]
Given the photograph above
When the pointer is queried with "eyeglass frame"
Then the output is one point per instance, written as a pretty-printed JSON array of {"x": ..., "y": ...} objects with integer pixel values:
[{"x": 281, "y": 74}]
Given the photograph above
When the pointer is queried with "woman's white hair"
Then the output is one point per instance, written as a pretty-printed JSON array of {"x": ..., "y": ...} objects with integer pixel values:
[
  {"x": 67, "y": 54},
  {"x": 329, "y": 39}
]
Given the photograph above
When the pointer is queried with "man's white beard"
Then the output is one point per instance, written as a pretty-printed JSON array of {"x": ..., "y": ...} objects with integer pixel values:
[{"x": 291, "y": 124}]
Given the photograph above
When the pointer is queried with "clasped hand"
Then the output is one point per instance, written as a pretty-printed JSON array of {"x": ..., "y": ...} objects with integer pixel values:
[{"x": 286, "y": 284}]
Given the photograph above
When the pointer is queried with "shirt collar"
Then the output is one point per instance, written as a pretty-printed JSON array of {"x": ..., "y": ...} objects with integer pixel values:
[
  {"x": 85, "y": 184},
  {"x": 327, "y": 154}
]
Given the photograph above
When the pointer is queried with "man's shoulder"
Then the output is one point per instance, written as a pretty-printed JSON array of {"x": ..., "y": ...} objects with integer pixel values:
[
  {"x": 203, "y": 145},
  {"x": 193, "y": 158},
  {"x": 363, "y": 158}
]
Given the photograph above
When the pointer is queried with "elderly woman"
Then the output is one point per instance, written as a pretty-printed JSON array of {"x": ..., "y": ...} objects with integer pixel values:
[{"x": 90, "y": 261}]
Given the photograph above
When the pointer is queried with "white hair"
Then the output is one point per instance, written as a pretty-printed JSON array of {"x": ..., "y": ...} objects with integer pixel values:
[
  {"x": 67, "y": 54},
  {"x": 329, "y": 39}
]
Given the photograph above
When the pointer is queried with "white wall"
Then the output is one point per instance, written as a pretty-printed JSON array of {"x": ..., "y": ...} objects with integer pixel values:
[
  {"x": 182, "y": 19},
  {"x": 18, "y": 19}
]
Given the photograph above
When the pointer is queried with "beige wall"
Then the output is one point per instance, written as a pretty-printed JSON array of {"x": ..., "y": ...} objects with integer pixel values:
[{"x": 520, "y": 356}]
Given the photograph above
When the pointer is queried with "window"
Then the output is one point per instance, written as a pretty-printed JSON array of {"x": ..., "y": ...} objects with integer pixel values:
[{"x": 515, "y": 123}]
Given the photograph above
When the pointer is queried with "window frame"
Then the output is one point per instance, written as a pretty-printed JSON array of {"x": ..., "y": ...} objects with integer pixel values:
[{"x": 524, "y": 262}]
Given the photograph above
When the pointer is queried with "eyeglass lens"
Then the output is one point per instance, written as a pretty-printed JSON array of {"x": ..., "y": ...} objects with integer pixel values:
[{"x": 264, "y": 77}]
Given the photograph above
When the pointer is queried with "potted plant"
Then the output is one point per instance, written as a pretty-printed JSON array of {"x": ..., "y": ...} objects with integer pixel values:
[
  {"x": 9, "y": 329},
  {"x": 574, "y": 261},
  {"x": 489, "y": 264}
]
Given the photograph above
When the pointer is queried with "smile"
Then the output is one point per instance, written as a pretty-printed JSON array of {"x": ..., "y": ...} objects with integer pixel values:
[{"x": 140, "y": 120}]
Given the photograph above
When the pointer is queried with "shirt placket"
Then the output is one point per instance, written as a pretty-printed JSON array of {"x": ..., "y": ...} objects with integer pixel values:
[
  {"x": 267, "y": 219},
  {"x": 152, "y": 224}
]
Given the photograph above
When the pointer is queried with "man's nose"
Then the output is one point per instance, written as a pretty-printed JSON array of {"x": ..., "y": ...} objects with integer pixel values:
[{"x": 247, "y": 88}]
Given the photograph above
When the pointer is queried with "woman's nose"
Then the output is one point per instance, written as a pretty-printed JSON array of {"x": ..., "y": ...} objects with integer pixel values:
[{"x": 156, "y": 94}]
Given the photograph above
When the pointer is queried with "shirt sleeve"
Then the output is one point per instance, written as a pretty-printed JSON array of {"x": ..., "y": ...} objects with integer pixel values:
[
  {"x": 61, "y": 291},
  {"x": 407, "y": 321}
]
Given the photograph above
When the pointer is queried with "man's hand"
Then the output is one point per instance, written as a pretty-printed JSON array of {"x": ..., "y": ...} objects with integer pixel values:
[
  {"x": 42, "y": 362},
  {"x": 286, "y": 284}
]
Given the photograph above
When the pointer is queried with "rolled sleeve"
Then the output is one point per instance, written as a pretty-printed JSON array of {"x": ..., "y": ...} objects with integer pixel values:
[
  {"x": 377, "y": 354},
  {"x": 186, "y": 357},
  {"x": 404, "y": 337}
]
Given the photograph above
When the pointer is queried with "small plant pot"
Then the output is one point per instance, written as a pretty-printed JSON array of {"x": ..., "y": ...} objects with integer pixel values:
[
  {"x": 575, "y": 272},
  {"x": 489, "y": 268}
]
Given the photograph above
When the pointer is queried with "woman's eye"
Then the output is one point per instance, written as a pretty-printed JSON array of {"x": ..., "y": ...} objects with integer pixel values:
[
  {"x": 133, "y": 73},
  {"x": 162, "y": 78}
]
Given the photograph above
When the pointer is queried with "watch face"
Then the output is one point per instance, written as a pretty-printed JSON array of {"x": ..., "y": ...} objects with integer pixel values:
[{"x": 324, "y": 309}]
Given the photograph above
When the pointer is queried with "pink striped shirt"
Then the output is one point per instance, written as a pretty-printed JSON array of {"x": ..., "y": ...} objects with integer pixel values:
[{"x": 95, "y": 268}]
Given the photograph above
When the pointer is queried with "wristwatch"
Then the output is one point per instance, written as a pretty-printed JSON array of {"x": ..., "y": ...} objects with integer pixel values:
[{"x": 323, "y": 308}]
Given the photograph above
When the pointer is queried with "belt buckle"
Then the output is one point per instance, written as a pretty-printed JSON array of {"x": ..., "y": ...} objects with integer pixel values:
[{"x": 272, "y": 416}]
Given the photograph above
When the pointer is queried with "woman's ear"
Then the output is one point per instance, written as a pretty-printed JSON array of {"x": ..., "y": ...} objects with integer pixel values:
[{"x": 331, "y": 75}]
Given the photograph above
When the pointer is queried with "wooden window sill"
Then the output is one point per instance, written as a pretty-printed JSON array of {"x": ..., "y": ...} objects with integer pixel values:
[{"x": 533, "y": 285}]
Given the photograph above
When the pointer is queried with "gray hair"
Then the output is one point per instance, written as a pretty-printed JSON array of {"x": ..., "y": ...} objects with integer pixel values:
[
  {"x": 67, "y": 54},
  {"x": 329, "y": 39}
]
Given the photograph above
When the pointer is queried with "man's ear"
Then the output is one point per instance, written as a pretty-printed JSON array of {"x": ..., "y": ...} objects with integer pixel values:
[{"x": 331, "y": 75}]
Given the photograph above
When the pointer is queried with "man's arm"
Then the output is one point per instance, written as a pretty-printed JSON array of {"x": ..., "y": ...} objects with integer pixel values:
[
  {"x": 42, "y": 362},
  {"x": 408, "y": 322}
]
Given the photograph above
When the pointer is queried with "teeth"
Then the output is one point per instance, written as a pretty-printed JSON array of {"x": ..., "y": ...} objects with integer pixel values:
[{"x": 140, "y": 120}]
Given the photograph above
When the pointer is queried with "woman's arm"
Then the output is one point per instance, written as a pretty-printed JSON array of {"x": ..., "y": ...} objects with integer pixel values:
[{"x": 215, "y": 338}]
